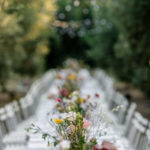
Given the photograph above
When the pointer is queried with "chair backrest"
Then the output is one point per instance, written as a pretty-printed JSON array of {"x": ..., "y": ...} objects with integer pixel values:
[
  {"x": 11, "y": 121},
  {"x": 3, "y": 126},
  {"x": 109, "y": 83},
  {"x": 31, "y": 105},
  {"x": 117, "y": 99},
  {"x": 105, "y": 81},
  {"x": 129, "y": 116},
  {"x": 24, "y": 108},
  {"x": 17, "y": 111},
  {"x": 122, "y": 103},
  {"x": 138, "y": 131},
  {"x": 1, "y": 138},
  {"x": 110, "y": 97},
  {"x": 147, "y": 139}
]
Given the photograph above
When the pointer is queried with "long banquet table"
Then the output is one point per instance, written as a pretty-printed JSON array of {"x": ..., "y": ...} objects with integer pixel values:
[{"x": 105, "y": 126}]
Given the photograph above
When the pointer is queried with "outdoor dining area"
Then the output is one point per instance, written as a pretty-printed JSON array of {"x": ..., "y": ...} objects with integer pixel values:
[
  {"x": 74, "y": 75},
  {"x": 111, "y": 121}
]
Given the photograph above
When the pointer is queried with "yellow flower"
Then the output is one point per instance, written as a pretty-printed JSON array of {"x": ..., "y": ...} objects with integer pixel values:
[
  {"x": 79, "y": 116},
  {"x": 71, "y": 77},
  {"x": 58, "y": 121},
  {"x": 80, "y": 100}
]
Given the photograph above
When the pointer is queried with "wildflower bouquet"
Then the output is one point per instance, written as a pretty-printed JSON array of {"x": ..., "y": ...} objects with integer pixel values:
[
  {"x": 69, "y": 97},
  {"x": 70, "y": 123},
  {"x": 74, "y": 102},
  {"x": 71, "y": 128}
]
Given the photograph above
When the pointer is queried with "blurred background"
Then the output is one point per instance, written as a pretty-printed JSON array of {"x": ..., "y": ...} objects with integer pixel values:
[{"x": 37, "y": 35}]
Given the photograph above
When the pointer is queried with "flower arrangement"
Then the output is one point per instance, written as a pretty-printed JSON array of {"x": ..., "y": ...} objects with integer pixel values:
[
  {"x": 74, "y": 102},
  {"x": 70, "y": 128},
  {"x": 71, "y": 124}
]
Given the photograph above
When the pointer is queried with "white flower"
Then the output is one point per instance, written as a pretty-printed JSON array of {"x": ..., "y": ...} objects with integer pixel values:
[
  {"x": 71, "y": 114},
  {"x": 75, "y": 93},
  {"x": 64, "y": 144}
]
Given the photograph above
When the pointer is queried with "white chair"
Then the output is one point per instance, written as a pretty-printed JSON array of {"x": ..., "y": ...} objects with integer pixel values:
[
  {"x": 30, "y": 104},
  {"x": 144, "y": 123},
  {"x": 147, "y": 139},
  {"x": 15, "y": 136},
  {"x": 138, "y": 131},
  {"x": 21, "y": 112},
  {"x": 17, "y": 111},
  {"x": 24, "y": 108},
  {"x": 110, "y": 97},
  {"x": 101, "y": 77},
  {"x": 1, "y": 138},
  {"x": 122, "y": 103},
  {"x": 3, "y": 126},
  {"x": 119, "y": 104},
  {"x": 11, "y": 121},
  {"x": 129, "y": 117}
]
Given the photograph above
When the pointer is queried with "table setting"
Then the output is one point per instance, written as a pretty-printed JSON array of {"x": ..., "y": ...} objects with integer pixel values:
[{"x": 74, "y": 115}]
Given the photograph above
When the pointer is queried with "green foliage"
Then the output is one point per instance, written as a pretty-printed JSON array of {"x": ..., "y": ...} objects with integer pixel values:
[
  {"x": 23, "y": 36},
  {"x": 10, "y": 45},
  {"x": 71, "y": 31},
  {"x": 112, "y": 34},
  {"x": 132, "y": 48},
  {"x": 106, "y": 34},
  {"x": 123, "y": 41}
]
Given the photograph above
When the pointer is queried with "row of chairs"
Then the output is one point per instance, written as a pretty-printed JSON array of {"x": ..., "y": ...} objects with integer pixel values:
[
  {"x": 136, "y": 128},
  {"x": 15, "y": 113}
]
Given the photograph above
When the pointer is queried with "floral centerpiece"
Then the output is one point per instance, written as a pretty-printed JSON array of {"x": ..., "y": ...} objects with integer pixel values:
[
  {"x": 70, "y": 127},
  {"x": 70, "y": 124}
]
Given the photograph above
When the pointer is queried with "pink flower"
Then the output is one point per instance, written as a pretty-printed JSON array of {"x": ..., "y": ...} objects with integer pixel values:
[
  {"x": 59, "y": 99},
  {"x": 64, "y": 92},
  {"x": 86, "y": 123}
]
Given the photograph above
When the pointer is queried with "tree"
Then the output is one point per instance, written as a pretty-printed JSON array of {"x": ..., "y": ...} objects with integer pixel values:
[
  {"x": 10, "y": 46},
  {"x": 24, "y": 31},
  {"x": 105, "y": 37},
  {"x": 71, "y": 31},
  {"x": 132, "y": 48}
]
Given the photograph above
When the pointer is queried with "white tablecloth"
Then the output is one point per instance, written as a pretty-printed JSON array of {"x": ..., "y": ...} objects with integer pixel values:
[{"x": 106, "y": 126}]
